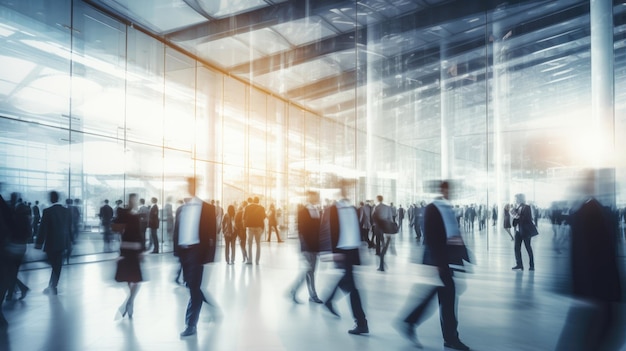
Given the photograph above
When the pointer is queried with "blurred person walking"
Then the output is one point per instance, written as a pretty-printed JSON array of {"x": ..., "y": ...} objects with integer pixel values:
[
  {"x": 195, "y": 237},
  {"x": 55, "y": 237},
  {"x": 153, "y": 224},
  {"x": 132, "y": 246},
  {"x": 254, "y": 221},
  {"x": 309, "y": 235},
  {"x": 444, "y": 246},
  {"x": 272, "y": 224},
  {"x": 106, "y": 215},
  {"x": 18, "y": 237},
  {"x": 240, "y": 228}
]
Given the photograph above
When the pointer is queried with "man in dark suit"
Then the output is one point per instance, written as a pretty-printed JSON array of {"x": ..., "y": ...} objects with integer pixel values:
[
  {"x": 382, "y": 216},
  {"x": 153, "y": 224},
  {"x": 340, "y": 233},
  {"x": 443, "y": 241},
  {"x": 106, "y": 216},
  {"x": 7, "y": 227},
  {"x": 594, "y": 319},
  {"x": 309, "y": 234},
  {"x": 195, "y": 234},
  {"x": 55, "y": 237}
]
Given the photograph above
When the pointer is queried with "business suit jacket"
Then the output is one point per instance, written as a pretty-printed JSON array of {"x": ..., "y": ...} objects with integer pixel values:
[
  {"x": 524, "y": 222},
  {"x": 381, "y": 215},
  {"x": 308, "y": 230},
  {"x": 207, "y": 232},
  {"x": 55, "y": 231},
  {"x": 595, "y": 271},
  {"x": 365, "y": 216},
  {"x": 440, "y": 251},
  {"x": 254, "y": 216},
  {"x": 153, "y": 217}
]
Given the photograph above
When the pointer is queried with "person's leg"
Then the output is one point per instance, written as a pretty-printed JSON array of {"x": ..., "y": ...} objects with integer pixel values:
[
  {"x": 233, "y": 244},
  {"x": 227, "y": 250},
  {"x": 518, "y": 250},
  {"x": 155, "y": 240},
  {"x": 529, "y": 249},
  {"x": 56, "y": 261},
  {"x": 250, "y": 239},
  {"x": 385, "y": 242},
  {"x": 257, "y": 238},
  {"x": 447, "y": 299},
  {"x": 192, "y": 273},
  {"x": 311, "y": 258},
  {"x": 134, "y": 289},
  {"x": 242, "y": 244}
]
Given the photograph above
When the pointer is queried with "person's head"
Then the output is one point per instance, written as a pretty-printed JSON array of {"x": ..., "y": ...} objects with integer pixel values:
[
  {"x": 256, "y": 200},
  {"x": 379, "y": 198},
  {"x": 36, "y": 202},
  {"x": 14, "y": 198},
  {"x": 231, "y": 211},
  {"x": 312, "y": 197},
  {"x": 154, "y": 200},
  {"x": 118, "y": 202},
  {"x": 445, "y": 189},
  {"x": 520, "y": 199},
  {"x": 244, "y": 204},
  {"x": 106, "y": 201},
  {"x": 132, "y": 200},
  {"x": 191, "y": 186},
  {"x": 68, "y": 201},
  {"x": 54, "y": 197},
  {"x": 250, "y": 200},
  {"x": 141, "y": 201}
]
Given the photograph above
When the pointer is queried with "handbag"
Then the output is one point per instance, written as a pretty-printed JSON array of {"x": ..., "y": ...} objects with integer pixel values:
[{"x": 389, "y": 227}]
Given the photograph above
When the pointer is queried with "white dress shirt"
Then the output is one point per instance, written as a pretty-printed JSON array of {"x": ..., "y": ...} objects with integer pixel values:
[{"x": 189, "y": 227}]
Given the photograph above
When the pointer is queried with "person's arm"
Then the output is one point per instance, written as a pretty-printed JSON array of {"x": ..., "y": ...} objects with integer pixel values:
[{"x": 43, "y": 230}]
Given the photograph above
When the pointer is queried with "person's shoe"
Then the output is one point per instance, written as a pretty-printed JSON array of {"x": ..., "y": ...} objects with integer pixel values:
[
  {"x": 50, "y": 291},
  {"x": 188, "y": 332},
  {"x": 294, "y": 298},
  {"x": 456, "y": 345},
  {"x": 315, "y": 299},
  {"x": 518, "y": 268},
  {"x": 330, "y": 308},
  {"x": 359, "y": 328},
  {"x": 408, "y": 331},
  {"x": 281, "y": 241},
  {"x": 24, "y": 293},
  {"x": 380, "y": 269},
  {"x": 531, "y": 268},
  {"x": 249, "y": 262}
]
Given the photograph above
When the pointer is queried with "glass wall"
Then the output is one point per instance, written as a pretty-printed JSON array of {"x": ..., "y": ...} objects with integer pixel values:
[{"x": 498, "y": 96}]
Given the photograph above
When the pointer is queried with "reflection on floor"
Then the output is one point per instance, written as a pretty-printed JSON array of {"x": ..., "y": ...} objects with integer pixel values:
[{"x": 498, "y": 310}]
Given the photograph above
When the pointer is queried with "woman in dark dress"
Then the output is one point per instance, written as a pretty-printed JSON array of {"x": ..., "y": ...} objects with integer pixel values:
[{"x": 131, "y": 247}]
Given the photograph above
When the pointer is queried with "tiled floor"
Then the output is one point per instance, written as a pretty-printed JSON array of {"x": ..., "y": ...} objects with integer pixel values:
[{"x": 498, "y": 309}]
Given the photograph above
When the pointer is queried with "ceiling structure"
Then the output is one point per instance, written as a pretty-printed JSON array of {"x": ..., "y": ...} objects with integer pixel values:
[{"x": 322, "y": 54}]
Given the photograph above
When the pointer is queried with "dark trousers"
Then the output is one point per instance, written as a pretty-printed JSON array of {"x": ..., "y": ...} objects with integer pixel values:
[
  {"x": 418, "y": 232},
  {"x": 365, "y": 235},
  {"x": 193, "y": 269},
  {"x": 14, "y": 261},
  {"x": 154, "y": 240},
  {"x": 447, "y": 315},
  {"x": 347, "y": 284},
  {"x": 518, "y": 250},
  {"x": 55, "y": 259}
]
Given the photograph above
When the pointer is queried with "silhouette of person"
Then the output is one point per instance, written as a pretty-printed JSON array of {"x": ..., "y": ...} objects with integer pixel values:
[
  {"x": 443, "y": 246},
  {"x": 341, "y": 232},
  {"x": 153, "y": 224},
  {"x": 195, "y": 234},
  {"x": 272, "y": 224},
  {"x": 132, "y": 245},
  {"x": 240, "y": 228},
  {"x": 16, "y": 246},
  {"x": 593, "y": 321},
  {"x": 55, "y": 237},
  {"x": 254, "y": 220},
  {"x": 106, "y": 215},
  {"x": 230, "y": 235},
  {"x": 523, "y": 220},
  {"x": 309, "y": 234},
  {"x": 7, "y": 226}
]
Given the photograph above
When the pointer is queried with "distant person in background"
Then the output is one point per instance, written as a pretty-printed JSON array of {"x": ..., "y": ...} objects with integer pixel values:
[
  {"x": 106, "y": 215},
  {"x": 153, "y": 224},
  {"x": 240, "y": 228},
  {"x": 144, "y": 214},
  {"x": 309, "y": 235},
  {"x": 506, "y": 220},
  {"x": 132, "y": 246},
  {"x": 272, "y": 224},
  {"x": 595, "y": 320},
  {"x": 168, "y": 213},
  {"x": 36, "y": 220},
  {"x": 230, "y": 235},
  {"x": 254, "y": 220},
  {"x": 55, "y": 237}
]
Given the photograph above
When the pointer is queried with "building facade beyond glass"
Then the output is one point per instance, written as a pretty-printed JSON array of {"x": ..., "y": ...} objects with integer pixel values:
[{"x": 103, "y": 98}]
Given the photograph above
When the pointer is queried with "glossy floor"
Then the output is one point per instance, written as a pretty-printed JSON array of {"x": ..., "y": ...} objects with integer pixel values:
[{"x": 498, "y": 309}]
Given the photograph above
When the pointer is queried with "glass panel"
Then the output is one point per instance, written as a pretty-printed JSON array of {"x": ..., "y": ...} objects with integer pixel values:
[
  {"x": 230, "y": 7},
  {"x": 235, "y": 119},
  {"x": 98, "y": 73},
  {"x": 257, "y": 131},
  {"x": 180, "y": 95}
]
